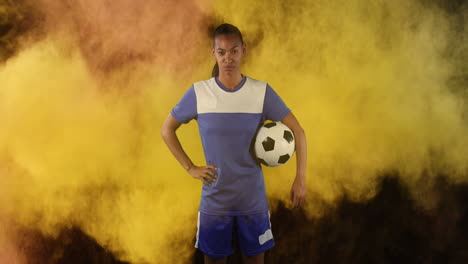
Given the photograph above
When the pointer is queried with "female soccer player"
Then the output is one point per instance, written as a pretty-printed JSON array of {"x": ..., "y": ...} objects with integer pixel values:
[{"x": 229, "y": 108}]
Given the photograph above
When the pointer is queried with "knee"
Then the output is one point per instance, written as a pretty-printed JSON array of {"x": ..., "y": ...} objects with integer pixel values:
[
  {"x": 209, "y": 260},
  {"x": 257, "y": 259}
]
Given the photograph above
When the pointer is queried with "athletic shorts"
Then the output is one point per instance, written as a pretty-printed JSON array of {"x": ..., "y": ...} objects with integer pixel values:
[{"x": 216, "y": 234}]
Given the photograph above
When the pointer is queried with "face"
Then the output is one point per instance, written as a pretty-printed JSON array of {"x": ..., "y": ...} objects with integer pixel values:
[{"x": 228, "y": 52}]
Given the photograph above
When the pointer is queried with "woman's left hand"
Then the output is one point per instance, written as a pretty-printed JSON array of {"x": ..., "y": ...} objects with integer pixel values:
[{"x": 298, "y": 193}]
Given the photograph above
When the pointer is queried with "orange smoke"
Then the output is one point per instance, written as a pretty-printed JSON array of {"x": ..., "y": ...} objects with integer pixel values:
[{"x": 114, "y": 34}]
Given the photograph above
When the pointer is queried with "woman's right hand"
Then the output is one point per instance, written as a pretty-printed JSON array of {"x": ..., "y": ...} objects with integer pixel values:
[{"x": 203, "y": 173}]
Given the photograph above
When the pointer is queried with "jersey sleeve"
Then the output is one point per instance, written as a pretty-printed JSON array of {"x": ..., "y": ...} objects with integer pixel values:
[
  {"x": 274, "y": 107},
  {"x": 186, "y": 109}
]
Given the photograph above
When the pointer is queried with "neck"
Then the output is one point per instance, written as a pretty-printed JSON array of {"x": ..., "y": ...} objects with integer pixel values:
[{"x": 230, "y": 79}]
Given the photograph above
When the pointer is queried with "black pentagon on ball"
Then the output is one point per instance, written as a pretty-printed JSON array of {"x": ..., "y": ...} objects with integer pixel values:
[
  {"x": 262, "y": 161},
  {"x": 283, "y": 159},
  {"x": 271, "y": 124},
  {"x": 287, "y": 135},
  {"x": 268, "y": 144}
]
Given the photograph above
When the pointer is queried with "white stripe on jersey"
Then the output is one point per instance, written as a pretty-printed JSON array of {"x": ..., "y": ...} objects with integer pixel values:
[{"x": 213, "y": 99}]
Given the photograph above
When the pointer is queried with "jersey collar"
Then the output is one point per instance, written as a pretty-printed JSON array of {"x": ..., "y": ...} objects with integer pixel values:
[{"x": 244, "y": 78}]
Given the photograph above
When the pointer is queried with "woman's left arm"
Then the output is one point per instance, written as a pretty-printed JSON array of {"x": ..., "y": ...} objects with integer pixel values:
[{"x": 298, "y": 189}]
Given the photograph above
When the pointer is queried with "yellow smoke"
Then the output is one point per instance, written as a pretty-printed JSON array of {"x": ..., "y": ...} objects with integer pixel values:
[
  {"x": 367, "y": 81},
  {"x": 80, "y": 151},
  {"x": 81, "y": 110}
]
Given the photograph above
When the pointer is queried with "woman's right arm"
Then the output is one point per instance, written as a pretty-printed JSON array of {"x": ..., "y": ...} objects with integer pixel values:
[{"x": 168, "y": 133}]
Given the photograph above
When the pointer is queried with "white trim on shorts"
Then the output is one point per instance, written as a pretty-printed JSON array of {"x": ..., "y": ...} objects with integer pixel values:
[{"x": 198, "y": 229}]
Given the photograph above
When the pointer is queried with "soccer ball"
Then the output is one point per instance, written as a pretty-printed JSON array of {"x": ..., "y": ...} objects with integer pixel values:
[{"x": 274, "y": 144}]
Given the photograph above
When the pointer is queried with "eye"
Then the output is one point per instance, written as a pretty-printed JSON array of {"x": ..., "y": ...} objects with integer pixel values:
[
  {"x": 221, "y": 53},
  {"x": 235, "y": 51}
]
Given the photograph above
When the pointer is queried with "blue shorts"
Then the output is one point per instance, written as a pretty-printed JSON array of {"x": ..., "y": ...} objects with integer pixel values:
[{"x": 215, "y": 234}]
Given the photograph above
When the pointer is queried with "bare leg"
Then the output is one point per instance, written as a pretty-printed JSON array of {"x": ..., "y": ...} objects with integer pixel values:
[
  {"x": 258, "y": 259},
  {"x": 209, "y": 260}
]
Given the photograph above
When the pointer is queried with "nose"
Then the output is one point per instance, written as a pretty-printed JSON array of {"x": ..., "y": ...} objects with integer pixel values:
[{"x": 228, "y": 57}]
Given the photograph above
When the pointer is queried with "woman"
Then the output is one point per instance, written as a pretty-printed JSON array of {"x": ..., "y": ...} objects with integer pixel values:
[{"x": 229, "y": 108}]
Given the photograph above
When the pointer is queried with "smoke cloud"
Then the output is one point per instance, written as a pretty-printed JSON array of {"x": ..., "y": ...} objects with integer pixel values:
[{"x": 378, "y": 86}]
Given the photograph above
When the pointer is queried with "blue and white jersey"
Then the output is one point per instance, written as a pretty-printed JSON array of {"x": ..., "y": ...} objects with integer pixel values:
[{"x": 227, "y": 121}]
